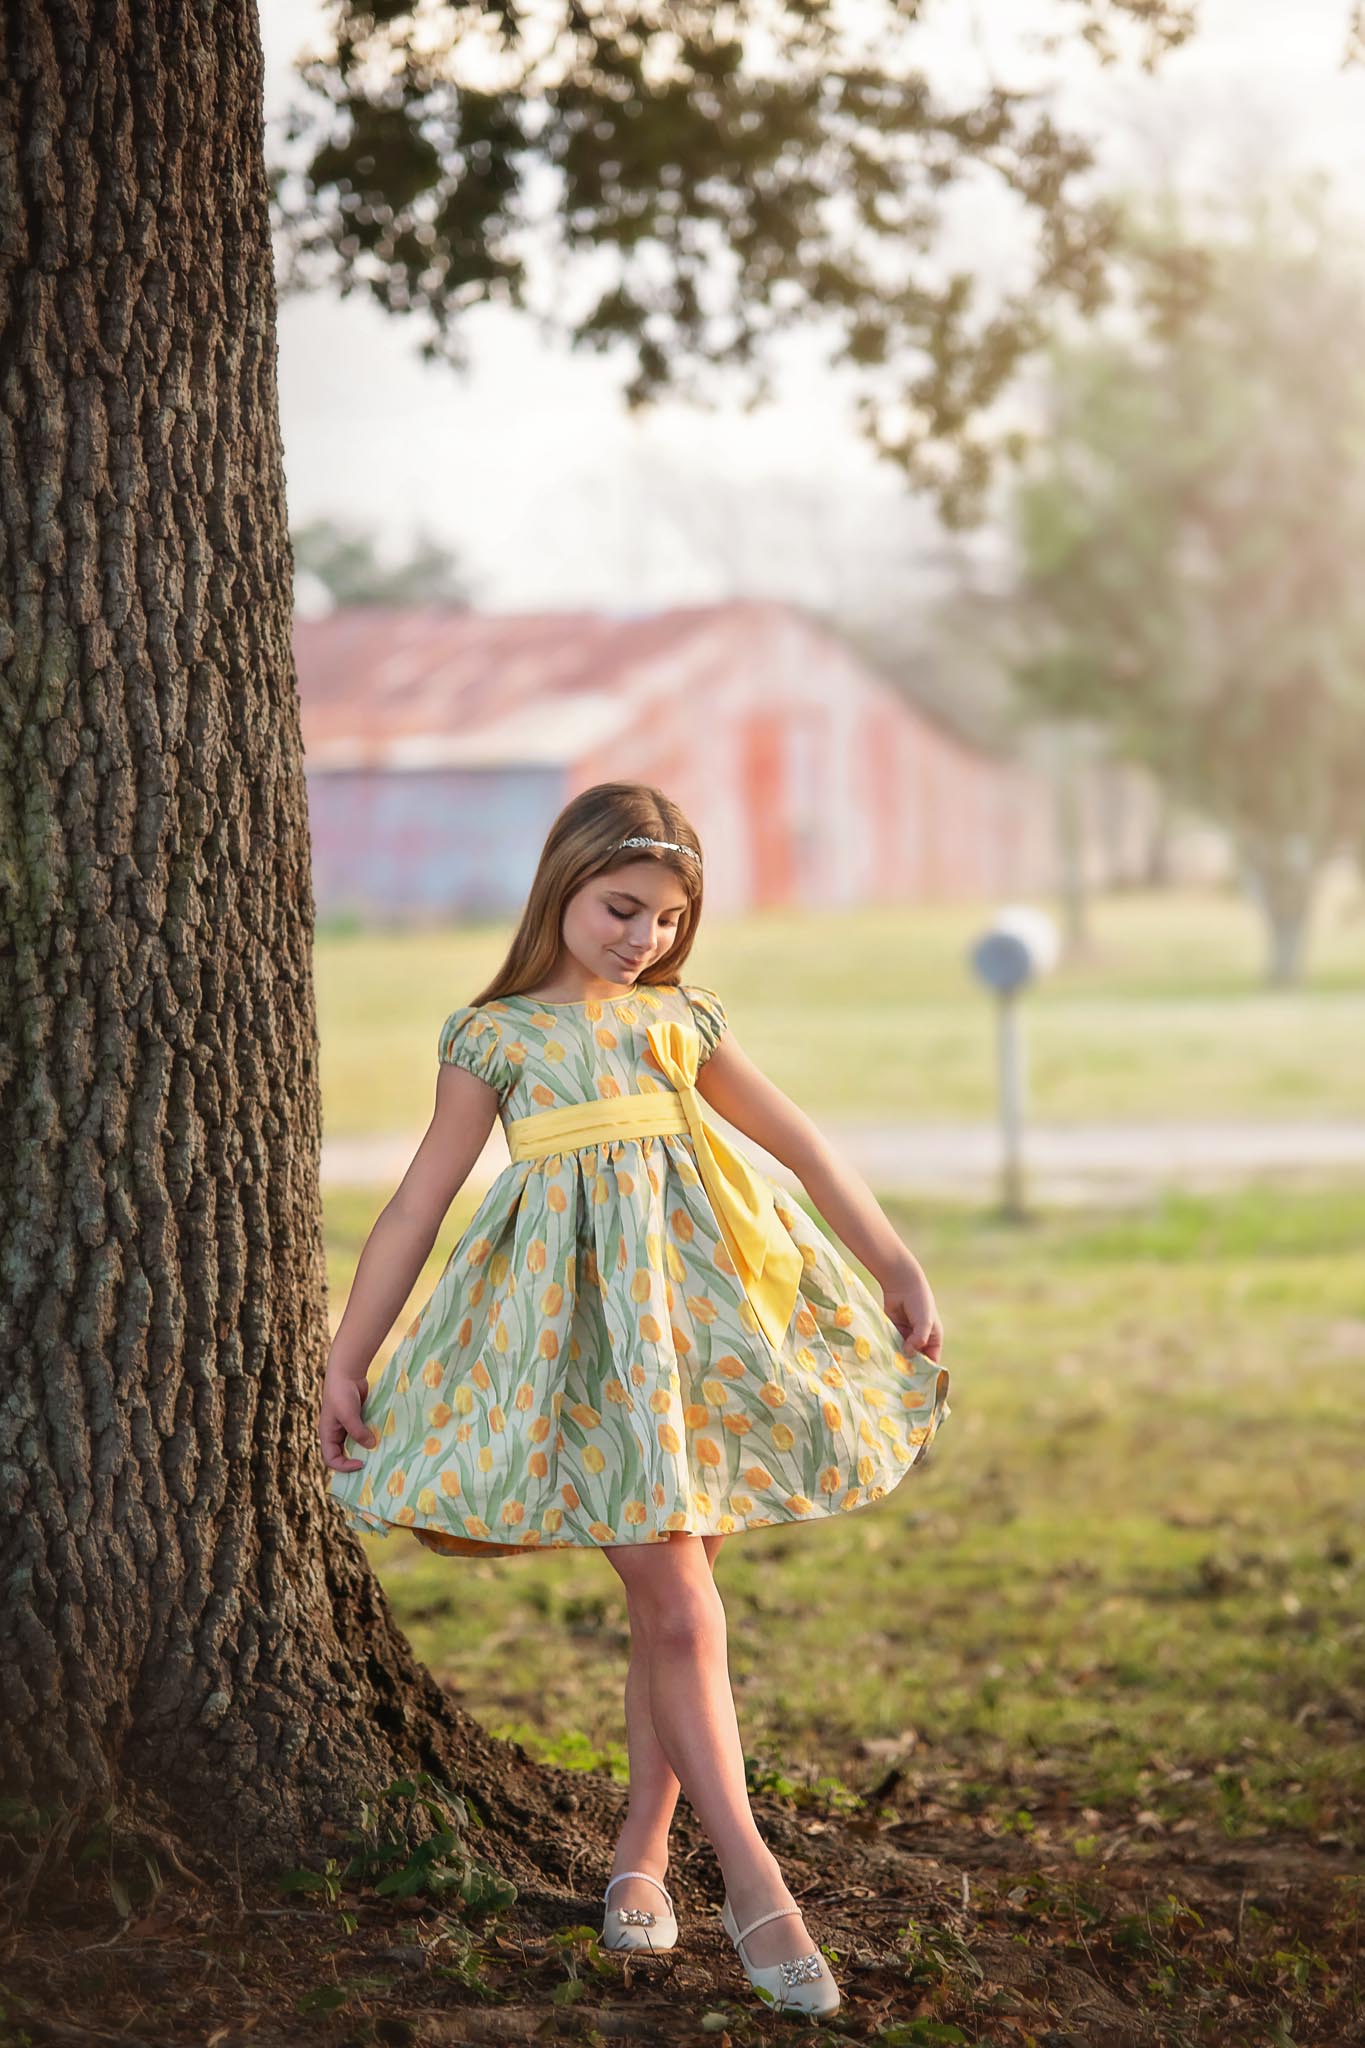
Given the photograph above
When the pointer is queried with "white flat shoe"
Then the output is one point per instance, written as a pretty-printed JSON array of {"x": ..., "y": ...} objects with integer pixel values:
[
  {"x": 798, "y": 1984},
  {"x": 637, "y": 1927}
]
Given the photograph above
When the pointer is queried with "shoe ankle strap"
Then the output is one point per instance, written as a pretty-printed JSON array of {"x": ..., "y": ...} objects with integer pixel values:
[
  {"x": 640, "y": 1873},
  {"x": 779, "y": 1913}
]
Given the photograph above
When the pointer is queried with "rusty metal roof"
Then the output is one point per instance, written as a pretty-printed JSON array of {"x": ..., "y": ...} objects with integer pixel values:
[{"x": 433, "y": 686}]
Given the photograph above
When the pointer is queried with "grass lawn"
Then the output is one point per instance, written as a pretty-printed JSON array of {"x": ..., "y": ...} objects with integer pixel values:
[
  {"x": 1128, "y": 1577},
  {"x": 874, "y": 1011}
]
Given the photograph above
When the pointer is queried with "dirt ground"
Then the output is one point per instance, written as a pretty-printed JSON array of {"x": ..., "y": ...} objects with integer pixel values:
[{"x": 950, "y": 1931}]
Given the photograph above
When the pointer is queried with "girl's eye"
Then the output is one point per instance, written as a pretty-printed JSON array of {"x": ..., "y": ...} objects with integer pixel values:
[{"x": 672, "y": 926}]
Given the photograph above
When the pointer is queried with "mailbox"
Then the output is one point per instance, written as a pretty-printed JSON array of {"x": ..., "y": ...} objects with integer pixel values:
[{"x": 1022, "y": 944}]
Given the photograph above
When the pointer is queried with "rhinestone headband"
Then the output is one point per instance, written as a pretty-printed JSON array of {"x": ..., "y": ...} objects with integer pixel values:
[{"x": 672, "y": 846}]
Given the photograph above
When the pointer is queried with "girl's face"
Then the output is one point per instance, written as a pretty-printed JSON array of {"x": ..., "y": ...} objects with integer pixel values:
[{"x": 617, "y": 924}]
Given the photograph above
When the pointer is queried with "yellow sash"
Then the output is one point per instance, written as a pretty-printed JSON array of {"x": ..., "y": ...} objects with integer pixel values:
[{"x": 768, "y": 1262}]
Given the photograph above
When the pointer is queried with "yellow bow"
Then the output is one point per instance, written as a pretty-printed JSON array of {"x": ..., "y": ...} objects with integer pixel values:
[{"x": 768, "y": 1262}]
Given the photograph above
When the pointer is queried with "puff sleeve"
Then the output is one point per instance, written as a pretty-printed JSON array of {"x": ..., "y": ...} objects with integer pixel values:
[
  {"x": 471, "y": 1039},
  {"x": 708, "y": 1012}
]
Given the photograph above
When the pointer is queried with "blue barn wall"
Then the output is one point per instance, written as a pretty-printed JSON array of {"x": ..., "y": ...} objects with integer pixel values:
[{"x": 428, "y": 843}]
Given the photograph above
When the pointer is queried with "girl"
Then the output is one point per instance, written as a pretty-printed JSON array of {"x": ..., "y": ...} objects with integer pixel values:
[{"x": 641, "y": 1344}]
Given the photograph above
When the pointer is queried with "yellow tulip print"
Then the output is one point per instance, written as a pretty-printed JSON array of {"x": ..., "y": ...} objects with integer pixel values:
[{"x": 589, "y": 1370}]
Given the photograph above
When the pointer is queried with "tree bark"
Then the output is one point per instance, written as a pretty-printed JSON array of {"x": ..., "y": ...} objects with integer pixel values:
[{"x": 186, "y": 1625}]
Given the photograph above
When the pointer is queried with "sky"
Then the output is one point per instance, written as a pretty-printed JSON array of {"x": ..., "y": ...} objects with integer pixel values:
[{"x": 530, "y": 468}]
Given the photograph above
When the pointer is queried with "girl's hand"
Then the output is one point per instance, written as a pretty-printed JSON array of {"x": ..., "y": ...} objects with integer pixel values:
[
  {"x": 342, "y": 1415},
  {"x": 909, "y": 1301}
]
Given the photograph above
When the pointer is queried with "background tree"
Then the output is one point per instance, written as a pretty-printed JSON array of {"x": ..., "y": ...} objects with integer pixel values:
[
  {"x": 345, "y": 559},
  {"x": 1191, "y": 534},
  {"x": 730, "y": 171}
]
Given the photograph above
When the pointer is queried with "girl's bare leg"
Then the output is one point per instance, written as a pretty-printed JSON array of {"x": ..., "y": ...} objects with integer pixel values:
[
  {"x": 654, "y": 1787},
  {"x": 678, "y": 1622}
]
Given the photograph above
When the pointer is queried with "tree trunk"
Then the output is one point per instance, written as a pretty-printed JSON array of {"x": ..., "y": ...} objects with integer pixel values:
[
  {"x": 1069, "y": 826},
  {"x": 186, "y": 1625},
  {"x": 1157, "y": 866},
  {"x": 1113, "y": 820},
  {"x": 1282, "y": 875}
]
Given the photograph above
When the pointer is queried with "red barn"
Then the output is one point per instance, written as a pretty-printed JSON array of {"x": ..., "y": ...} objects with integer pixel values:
[{"x": 439, "y": 744}]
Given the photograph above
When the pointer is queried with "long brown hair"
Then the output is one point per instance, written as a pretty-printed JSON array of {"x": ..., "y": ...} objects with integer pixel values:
[{"x": 584, "y": 841}]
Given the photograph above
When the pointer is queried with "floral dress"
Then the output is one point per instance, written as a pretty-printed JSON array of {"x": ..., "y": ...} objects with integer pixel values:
[{"x": 588, "y": 1369}]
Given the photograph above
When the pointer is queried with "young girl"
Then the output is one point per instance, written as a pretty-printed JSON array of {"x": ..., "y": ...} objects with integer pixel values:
[{"x": 641, "y": 1344}]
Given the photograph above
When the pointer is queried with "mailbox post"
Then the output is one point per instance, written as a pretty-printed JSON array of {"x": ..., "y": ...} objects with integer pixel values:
[{"x": 1022, "y": 944}]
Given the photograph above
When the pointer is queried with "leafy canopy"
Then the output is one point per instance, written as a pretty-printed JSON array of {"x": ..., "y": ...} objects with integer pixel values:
[{"x": 686, "y": 180}]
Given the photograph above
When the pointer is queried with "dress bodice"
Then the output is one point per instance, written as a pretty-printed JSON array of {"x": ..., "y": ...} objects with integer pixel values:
[{"x": 542, "y": 1055}]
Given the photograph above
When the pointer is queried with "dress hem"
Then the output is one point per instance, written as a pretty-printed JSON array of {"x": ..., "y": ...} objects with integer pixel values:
[{"x": 479, "y": 1546}]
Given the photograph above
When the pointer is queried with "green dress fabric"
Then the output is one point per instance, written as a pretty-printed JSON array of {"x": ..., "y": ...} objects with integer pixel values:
[{"x": 588, "y": 1369}]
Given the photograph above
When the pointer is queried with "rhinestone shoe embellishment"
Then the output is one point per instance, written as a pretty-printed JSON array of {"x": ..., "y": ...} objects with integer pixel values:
[
  {"x": 635, "y": 1916},
  {"x": 802, "y": 1969}
]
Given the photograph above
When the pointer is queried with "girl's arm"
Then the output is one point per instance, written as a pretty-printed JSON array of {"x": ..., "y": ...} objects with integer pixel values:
[
  {"x": 396, "y": 1250},
  {"x": 745, "y": 1097}
]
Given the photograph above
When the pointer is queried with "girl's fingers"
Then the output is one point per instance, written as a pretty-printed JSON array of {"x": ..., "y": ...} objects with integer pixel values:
[
  {"x": 332, "y": 1437},
  {"x": 343, "y": 1415},
  {"x": 348, "y": 1408}
]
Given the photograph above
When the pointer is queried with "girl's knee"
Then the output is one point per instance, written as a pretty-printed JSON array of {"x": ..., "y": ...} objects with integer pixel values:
[
  {"x": 673, "y": 1600},
  {"x": 687, "y": 1622}
]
